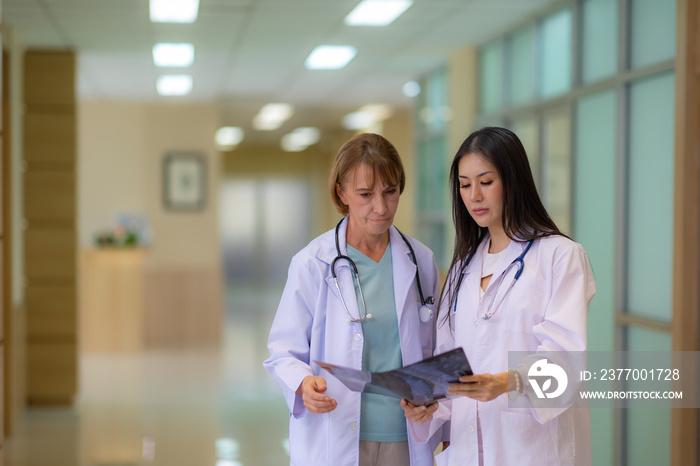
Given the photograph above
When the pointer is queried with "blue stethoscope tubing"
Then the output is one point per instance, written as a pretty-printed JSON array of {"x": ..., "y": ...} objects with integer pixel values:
[
  {"x": 518, "y": 262},
  {"x": 425, "y": 313}
]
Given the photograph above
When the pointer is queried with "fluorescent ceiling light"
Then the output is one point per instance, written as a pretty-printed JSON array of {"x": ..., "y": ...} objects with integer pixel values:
[
  {"x": 377, "y": 12},
  {"x": 379, "y": 111},
  {"x": 174, "y": 11},
  {"x": 300, "y": 139},
  {"x": 330, "y": 57},
  {"x": 272, "y": 116},
  {"x": 228, "y": 137},
  {"x": 367, "y": 116},
  {"x": 411, "y": 89},
  {"x": 174, "y": 84},
  {"x": 176, "y": 55},
  {"x": 358, "y": 120}
]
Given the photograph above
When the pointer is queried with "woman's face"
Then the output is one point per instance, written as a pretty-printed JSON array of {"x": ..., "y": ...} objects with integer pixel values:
[
  {"x": 481, "y": 190},
  {"x": 370, "y": 211}
]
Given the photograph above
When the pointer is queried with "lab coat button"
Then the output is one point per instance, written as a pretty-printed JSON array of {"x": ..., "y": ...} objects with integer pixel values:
[
  {"x": 470, "y": 428},
  {"x": 358, "y": 337},
  {"x": 353, "y": 426}
]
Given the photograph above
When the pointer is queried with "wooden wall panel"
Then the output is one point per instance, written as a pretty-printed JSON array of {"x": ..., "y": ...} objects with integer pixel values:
[
  {"x": 54, "y": 311},
  {"x": 49, "y": 136},
  {"x": 9, "y": 356},
  {"x": 53, "y": 195},
  {"x": 49, "y": 78},
  {"x": 50, "y": 254},
  {"x": 52, "y": 365},
  {"x": 50, "y": 242}
]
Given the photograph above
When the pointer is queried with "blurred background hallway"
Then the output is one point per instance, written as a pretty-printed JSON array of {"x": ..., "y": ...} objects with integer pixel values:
[
  {"x": 210, "y": 406},
  {"x": 160, "y": 168}
]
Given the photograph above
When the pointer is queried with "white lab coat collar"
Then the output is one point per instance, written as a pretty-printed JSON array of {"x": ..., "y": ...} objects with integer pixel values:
[
  {"x": 472, "y": 275},
  {"x": 404, "y": 269}
]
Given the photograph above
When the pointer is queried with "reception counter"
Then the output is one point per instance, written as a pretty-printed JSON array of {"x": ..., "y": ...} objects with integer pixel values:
[{"x": 128, "y": 303}]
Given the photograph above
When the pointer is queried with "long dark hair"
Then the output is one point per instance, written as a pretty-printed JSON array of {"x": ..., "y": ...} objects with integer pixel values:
[{"x": 524, "y": 216}]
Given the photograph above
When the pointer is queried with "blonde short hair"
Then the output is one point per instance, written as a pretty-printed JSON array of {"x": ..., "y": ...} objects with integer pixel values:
[{"x": 372, "y": 150}]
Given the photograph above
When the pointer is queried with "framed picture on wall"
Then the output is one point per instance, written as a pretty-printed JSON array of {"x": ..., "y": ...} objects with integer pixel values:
[{"x": 184, "y": 181}]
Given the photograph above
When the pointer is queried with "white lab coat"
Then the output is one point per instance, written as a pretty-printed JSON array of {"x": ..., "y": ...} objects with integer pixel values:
[
  {"x": 311, "y": 325},
  {"x": 546, "y": 310}
]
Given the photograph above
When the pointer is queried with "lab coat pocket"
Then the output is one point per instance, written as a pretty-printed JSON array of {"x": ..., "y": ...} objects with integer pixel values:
[
  {"x": 443, "y": 458},
  {"x": 521, "y": 433}
]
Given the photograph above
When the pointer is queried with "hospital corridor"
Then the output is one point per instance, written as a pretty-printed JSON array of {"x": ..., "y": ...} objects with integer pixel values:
[
  {"x": 161, "y": 168},
  {"x": 214, "y": 407}
]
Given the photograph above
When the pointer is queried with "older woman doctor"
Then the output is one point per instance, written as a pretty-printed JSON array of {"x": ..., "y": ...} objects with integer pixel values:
[
  {"x": 500, "y": 221},
  {"x": 378, "y": 317}
]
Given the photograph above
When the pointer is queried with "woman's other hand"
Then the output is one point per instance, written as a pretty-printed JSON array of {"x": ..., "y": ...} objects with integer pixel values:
[
  {"x": 419, "y": 414},
  {"x": 311, "y": 392},
  {"x": 481, "y": 387}
]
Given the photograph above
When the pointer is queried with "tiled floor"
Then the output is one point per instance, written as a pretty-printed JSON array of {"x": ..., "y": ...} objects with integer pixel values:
[{"x": 204, "y": 407}]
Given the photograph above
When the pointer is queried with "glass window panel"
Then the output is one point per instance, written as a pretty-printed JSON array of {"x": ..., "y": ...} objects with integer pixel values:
[
  {"x": 599, "y": 40},
  {"x": 491, "y": 76},
  {"x": 653, "y": 31},
  {"x": 434, "y": 114},
  {"x": 557, "y": 169},
  {"x": 522, "y": 66},
  {"x": 650, "y": 197},
  {"x": 238, "y": 230},
  {"x": 594, "y": 203},
  {"x": 648, "y": 430},
  {"x": 286, "y": 216},
  {"x": 528, "y": 131},
  {"x": 555, "y": 44},
  {"x": 595, "y": 181}
]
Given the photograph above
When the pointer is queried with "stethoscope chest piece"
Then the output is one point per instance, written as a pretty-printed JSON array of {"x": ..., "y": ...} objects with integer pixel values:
[{"x": 425, "y": 314}]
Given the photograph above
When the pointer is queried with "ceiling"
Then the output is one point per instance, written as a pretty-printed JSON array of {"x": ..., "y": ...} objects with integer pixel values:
[{"x": 252, "y": 52}]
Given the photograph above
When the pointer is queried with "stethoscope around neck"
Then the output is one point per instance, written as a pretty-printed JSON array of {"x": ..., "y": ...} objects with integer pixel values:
[
  {"x": 519, "y": 263},
  {"x": 424, "y": 313}
]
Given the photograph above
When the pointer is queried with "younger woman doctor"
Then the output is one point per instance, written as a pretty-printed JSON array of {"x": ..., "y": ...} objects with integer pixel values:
[
  {"x": 500, "y": 221},
  {"x": 377, "y": 316}
]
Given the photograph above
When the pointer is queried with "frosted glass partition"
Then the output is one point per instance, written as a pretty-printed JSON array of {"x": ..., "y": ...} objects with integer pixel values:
[
  {"x": 433, "y": 174},
  {"x": 491, "y": 76},
  {"x": 555, "y": 44},
  {"x": 286, "y": 211},
  {"x": 262, "y": 222},
  {"x": 650, "y": 197},
  {"x": 557, "y": 165},
  {"x": 648, "y": 429},
  {"x": 237, "y": 230},
  {"x": 437, "y": 101},
  {"x": 595, "y": 182},
  {"x": 599, "y": 40},
  {"x": 528, "y": 131},
  {"x": 594, "y": 200},
  {"x": 653, "y": 31},
  {"x": 522, "y": 66}
]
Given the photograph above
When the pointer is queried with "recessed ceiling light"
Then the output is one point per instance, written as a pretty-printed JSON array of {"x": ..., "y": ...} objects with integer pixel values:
[
  {"x": 411, "y": 89},
  {"x": 175, "y": 55},
  {"x": 174, "y": 11},
  {"x": 272, "y": 116},
  {"x": 330, "y": 57},
  {"x": 377, "y": 12},
  {"x": 228, "y": 137},
  {"x": 379, "y": 111},
  {"x": 358, "y": 120},
  {"x": 300, "y": 139},
  {"x": 174, "y": 84}
]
